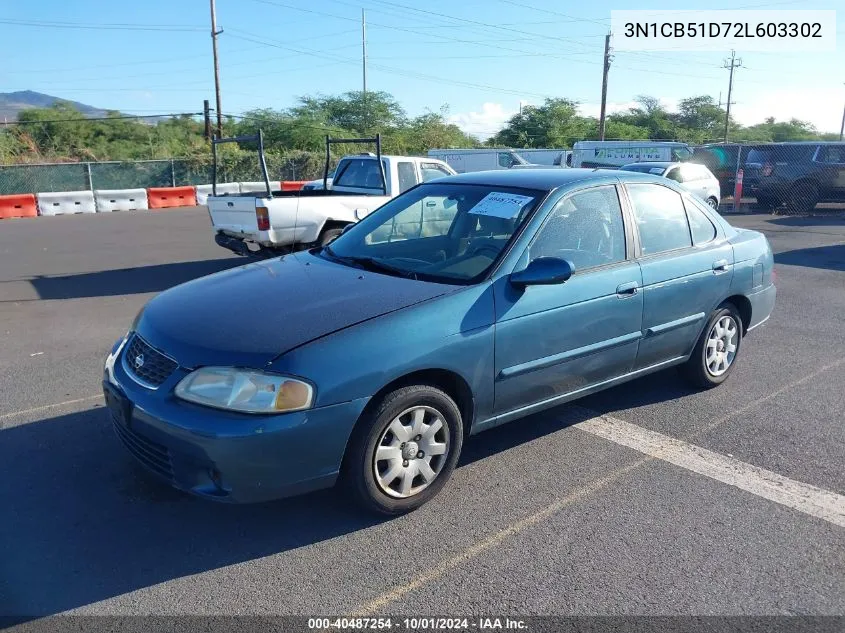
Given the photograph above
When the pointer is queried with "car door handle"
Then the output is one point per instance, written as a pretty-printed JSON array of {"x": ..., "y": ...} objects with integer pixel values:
[
  {"x": 720, "y": 266},
  {"x": 627, "y": 290}
]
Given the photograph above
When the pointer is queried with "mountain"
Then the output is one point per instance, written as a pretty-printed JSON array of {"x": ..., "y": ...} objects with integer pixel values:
[{"x": 13, "y": 102}]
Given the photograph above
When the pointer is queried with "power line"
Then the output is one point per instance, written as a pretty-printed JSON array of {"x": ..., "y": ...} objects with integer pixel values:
[{"x": 103, "y": 27}]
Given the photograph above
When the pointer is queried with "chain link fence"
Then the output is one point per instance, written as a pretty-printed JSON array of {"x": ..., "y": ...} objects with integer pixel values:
[
  {"x": 39, "y": 178},
  {"x": 790, "y": 178}
]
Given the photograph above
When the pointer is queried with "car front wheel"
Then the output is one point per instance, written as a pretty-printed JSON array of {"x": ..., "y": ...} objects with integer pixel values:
[
  {"x": 715, "y": 353},
  {"x": 402, "y": 453},
  {"x": 713, "y": 203}
]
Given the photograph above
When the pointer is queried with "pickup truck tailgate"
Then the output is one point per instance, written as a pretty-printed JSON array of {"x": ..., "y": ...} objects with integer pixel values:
[{"x": 234, "y": 214}]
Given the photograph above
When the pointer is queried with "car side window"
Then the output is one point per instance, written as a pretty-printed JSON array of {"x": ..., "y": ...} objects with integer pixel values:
[
  {"x": 407, "y": 175},
  {"x": 430, "y": 171},
  {"x": 675, "y": 174},
  {"x": 832, "y": 154},
  {"x": 505, "y": 160},
  {"x": 585, "y": 228},
  {"x": 701, "y": 227},
  {"x": 661, "y": 218}
]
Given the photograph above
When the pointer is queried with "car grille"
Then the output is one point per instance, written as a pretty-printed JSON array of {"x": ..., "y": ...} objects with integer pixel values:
[
  {"x": 151, "y": 454},
  {"x": 155, "y": 367}
]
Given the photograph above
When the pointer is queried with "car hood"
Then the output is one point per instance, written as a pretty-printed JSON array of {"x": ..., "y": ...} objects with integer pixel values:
[{"x": 249, "y": 315}]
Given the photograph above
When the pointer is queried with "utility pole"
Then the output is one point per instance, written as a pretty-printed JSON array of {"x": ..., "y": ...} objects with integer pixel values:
[
  {"x": 842, "y": 127},
  {"x": 607, "y": 59},
  {"x": 364, "y": 63},
  {"x": 214, "y": 34},
  {"x": 206, "y": 117},
  {"x": 731, "y": 64}
]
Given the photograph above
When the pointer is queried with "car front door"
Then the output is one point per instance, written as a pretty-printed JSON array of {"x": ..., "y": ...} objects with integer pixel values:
[
  {"x": 553, "y": 340},
  {"x": 687, "y": 265}
]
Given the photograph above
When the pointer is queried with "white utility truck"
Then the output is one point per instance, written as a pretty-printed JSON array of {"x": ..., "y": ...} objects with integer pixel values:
[
  {"x": 614, "y": 154},
  {"x": 282, "y": 221},
  {"x": 467, "y": 160}
]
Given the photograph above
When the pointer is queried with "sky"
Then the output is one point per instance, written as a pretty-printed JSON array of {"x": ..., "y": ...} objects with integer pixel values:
[{"x": 478, "y": 58}]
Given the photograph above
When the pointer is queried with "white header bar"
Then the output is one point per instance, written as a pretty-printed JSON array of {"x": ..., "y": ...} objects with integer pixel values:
[{"x": 741, "y": 30}]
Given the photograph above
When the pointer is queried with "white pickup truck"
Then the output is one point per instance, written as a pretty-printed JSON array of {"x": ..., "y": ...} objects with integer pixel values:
[{"x": 254, "y": 223}]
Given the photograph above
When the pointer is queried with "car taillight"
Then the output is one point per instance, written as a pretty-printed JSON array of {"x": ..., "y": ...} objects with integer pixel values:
[
  {"x": 767, "y": 169},
  {"x": 263, "y": 217}
]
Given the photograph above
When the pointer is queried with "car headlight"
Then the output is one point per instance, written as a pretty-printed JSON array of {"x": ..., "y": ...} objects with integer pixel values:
[{"x": 245, "y": 390}]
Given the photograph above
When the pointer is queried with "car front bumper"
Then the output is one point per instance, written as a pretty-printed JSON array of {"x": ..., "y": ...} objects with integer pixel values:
[{"x": 227, "y": 456}]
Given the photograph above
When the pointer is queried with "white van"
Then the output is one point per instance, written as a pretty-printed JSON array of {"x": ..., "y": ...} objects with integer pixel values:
[
  {"x": 546, "y": 157},
  {"x": 614, "y": 154},
  {"x": 467, "y": 160}
]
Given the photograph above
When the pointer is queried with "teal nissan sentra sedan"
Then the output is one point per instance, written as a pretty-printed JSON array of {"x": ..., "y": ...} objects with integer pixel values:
[{"x": 462, "y": 304}]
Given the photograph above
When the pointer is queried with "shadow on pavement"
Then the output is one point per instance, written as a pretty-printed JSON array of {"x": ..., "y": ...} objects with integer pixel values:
[
  {"x": 127, "y": 281},
  {"x": 829, "y": 257},
  {"x": 814, "y": 220},
  {"x": 83, "y": 522}
]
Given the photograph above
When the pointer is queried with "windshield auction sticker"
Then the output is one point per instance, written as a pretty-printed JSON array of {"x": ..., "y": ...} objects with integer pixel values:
[
  {"x": 501, "y": 205},
  {"x": 780, "y": 31}
]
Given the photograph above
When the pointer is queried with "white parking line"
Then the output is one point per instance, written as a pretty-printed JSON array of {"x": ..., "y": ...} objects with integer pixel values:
[
  {"x": 49, "y": 406},
  {"x": 805, "y": 498}
]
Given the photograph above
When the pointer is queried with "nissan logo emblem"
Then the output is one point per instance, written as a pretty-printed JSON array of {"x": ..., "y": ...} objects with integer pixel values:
[{"x": 139, "y": 361}]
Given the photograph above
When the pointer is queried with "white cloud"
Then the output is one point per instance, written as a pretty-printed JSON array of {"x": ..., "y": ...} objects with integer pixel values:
[
  {"x": 485, "y": 123},
  {"x": 822, "y": 107}
]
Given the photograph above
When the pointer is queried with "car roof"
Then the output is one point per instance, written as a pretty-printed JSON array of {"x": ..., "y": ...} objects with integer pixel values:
[
  {"x": 548, "y": 179},
  {"x": 654, "y": 163}
]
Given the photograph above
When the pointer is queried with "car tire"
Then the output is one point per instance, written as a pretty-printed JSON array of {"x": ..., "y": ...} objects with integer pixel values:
[
  {"x": 712, "y": 360},
  {"x": 713, "y": 203},
  {"x": 802, "y": 198},
  {"x": 397, "y": 483},
  {"x": 328, "y": 235}
]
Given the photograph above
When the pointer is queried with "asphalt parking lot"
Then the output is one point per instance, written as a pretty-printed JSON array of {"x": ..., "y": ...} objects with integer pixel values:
[{"x": 543, "y": 516}]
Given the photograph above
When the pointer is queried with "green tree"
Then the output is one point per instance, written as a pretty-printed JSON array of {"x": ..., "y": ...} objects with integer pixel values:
[
  {"x": 699, "y": 119},
  {"x": 556, "y": 123}
]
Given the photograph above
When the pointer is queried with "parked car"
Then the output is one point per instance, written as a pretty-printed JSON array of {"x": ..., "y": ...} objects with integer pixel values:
[
  {"x": 799, "y": 175},
  {"x": 271, "y": 222},
  {"x": 696, "y": 179},
  {"x": 319, "y": 183},
  {"x": 614, "y": 154},
  {"x": 457, "y": 306}
]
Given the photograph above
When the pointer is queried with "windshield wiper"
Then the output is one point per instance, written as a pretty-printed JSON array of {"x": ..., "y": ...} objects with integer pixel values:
[
  {"x": 373, "y": 263},
  {"x": 370, "y": 263}
]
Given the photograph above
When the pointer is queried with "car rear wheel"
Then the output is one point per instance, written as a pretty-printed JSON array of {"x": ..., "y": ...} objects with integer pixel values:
[
  {"x": 803, "y": 198},
  {"x": 403, "y": 453},
  {"x": 713, "y": 203},
  {"x": 715, "y": 353}
]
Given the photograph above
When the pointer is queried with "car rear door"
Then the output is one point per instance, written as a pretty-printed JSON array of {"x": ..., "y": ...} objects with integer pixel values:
[
  {"x": 687, "y": 265},
  {"x": 559, "y": 339}
]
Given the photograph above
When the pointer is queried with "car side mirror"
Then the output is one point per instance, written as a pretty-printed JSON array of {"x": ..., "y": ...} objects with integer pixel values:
[{"x": 543, "y": 271}]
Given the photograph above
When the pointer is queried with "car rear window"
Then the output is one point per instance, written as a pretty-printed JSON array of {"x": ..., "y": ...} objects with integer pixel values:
[{"x": 362, "y": 173}]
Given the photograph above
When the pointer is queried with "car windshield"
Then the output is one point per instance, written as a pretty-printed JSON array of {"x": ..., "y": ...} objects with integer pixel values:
[
  {"x": 452, "y": 233},
  {"x": 681, "y": 153}
]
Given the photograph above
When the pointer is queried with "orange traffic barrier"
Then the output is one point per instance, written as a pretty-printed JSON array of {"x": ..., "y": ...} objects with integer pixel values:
[
  {"x": 168, "y": 197},
  {"x": 20, "y": 205},
  {"x": 293, "y": 185}
]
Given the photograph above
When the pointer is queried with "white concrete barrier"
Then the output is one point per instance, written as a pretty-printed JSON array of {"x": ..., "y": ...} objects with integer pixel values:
[
  {"x": 259, "y": 186},
  {"x": 62, "y": 202},
  {"x": 120, "y": 200},
  {"x": 203, "y": 191}
]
